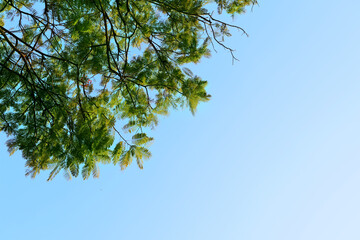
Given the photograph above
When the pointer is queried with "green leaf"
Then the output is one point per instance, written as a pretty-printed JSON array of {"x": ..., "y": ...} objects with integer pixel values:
[
  {"x": 126, "y": 159},
  {"x": 116, "y": 153}
]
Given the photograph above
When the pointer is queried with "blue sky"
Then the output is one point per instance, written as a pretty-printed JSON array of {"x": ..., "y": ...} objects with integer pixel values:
[{"x": 274, "y": 155}]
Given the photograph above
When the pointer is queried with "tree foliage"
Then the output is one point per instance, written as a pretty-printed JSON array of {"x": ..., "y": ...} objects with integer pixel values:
[{"x": 71, "y": 69}]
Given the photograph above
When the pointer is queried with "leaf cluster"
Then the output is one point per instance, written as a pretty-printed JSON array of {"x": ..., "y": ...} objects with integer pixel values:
[{"x": 73, "y": 70}]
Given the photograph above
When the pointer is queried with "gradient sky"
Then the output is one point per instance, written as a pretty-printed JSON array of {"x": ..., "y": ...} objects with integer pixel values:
[{"x": 273, "y": 156}]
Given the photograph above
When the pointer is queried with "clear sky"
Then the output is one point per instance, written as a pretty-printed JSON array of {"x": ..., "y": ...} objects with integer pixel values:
[{"x": 273, "y": 156}]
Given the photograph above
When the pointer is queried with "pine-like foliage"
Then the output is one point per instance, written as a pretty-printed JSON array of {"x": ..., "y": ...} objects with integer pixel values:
[{"x": 71, "y": 69}]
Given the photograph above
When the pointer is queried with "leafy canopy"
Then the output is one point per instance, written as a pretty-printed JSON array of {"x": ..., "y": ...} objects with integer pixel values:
[{"x": 69, "y": 69}]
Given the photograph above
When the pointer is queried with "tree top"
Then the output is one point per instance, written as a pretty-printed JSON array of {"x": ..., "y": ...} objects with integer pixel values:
[{"x": 73, "y": 71}]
